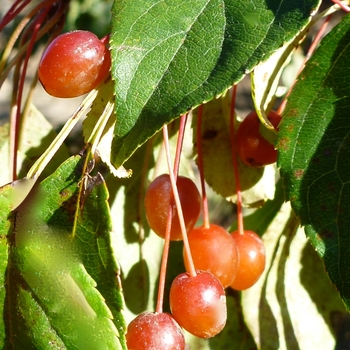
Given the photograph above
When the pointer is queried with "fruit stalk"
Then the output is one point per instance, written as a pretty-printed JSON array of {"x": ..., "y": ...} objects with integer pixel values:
[
  {"x": 206, "y": 222},
  {"x": 235, "y": 162},
  {"x": 311, "y": 50},
  {"x": 192, "y": 270},
  {"x": 165, "y": 254},
  {"x": 16, "y": 115}
]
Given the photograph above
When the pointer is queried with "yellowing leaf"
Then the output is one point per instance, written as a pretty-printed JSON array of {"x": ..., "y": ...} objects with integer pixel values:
[{"x": 294, "y": 296}]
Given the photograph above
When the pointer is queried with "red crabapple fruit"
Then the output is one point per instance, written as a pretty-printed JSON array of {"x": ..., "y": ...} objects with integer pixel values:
[
  {"x": 156, "y": 331},
  {"x": 158, "y": 197},
  {"x": 251, "y": 259},
  {"x": 214, "y": 250},
  {"x": 198, "y": 303},
  {"x": 253, "y": 149},
  {"x": 73, "y": 64}
]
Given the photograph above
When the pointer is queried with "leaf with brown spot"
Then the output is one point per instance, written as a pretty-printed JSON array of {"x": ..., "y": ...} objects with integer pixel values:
[
  {"x": 316, "y": 165},
  {"x": 283, "y": 143}
]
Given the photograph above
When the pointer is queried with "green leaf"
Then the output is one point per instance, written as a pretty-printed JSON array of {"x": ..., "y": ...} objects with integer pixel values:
[
  {"x": 63, "y": 290},
  {"x": 5, "y": 225},
  {"x": 314, "y": 148},
  {"x": 168, "y": 57}
]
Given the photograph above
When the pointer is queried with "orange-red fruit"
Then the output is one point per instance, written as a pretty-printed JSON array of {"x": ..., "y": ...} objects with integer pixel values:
[
  {"x": 214, "y": 250},
  {"x": 73, "y": 64},
  {"x": 251, "y": 259},
  {"x": 253, "y": 149},
  {"x": 158, "y": 197},
  {"x": 198, "y": 303},
  {"x": 156, "y": 331}
]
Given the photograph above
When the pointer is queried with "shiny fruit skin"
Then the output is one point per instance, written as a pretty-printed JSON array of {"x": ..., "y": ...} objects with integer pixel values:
[
  {"x": 157, "y": 199},
  {"x": 252, "y": 259},
  {"x": 156, "y": 331},
  {"x": 74, "y": 64},
  {"x": 198, "y": 303},
  {"x": 253, "y": 149},
  {"x": 214, "y": 250}
]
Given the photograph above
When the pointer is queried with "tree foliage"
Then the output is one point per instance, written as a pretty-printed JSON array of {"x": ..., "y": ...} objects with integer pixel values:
[{"x": 78, "y": 260}]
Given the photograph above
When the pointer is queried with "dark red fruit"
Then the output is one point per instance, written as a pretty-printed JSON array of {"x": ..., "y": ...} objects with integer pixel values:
[
  {"x": 214, "y": 250},
  {"x": 158, "y": 197},
  {"x": 198, "y": 303},
  {"x": 253, "y": 149},
  {"x": 156, "y": 331},
  {"x": 74, "y": 64},
  {"x": 252, "y": 259}
]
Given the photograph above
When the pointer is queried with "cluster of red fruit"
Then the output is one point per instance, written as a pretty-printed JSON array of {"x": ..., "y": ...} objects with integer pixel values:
[
  {"x": 74, "y": 64},
  {"x": 221, "y": 259}
]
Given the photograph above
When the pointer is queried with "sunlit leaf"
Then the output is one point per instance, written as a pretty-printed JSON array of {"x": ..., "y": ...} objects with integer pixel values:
[
  {"x": 40, "y": 165},
  {"x": 138, "y": 250},
  {"x": 36, "y": 136},
  {"x": 293, "y": 297}
]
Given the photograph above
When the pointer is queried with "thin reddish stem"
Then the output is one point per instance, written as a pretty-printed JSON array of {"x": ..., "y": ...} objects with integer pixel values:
[
  {"x": 235, "y": 162},
  {"x": 10, "y": 15},
  {"x": 342, "y": 6},
  {"x": 192, "y": 270},
  {"x": 201, "y": 168},
  {"x": 15, "y": 9},
  {"x": 105, "y": 39},
  {"x": 165, "y": 255},
  {"x": 180, "y": 140},
  {"x": 164, "y": 263},
  {"x": 310, "y": 52},
  {"x": 24, "y": 47},
  {"x": 16, "y": 121}
]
